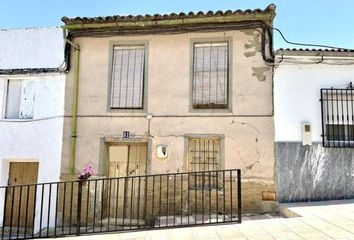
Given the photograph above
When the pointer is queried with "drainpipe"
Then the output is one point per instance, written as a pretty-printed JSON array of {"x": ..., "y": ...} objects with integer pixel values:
[{"x": 74, "y": 109}]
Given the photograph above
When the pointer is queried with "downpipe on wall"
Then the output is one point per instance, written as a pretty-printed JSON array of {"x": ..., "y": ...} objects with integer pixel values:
[{"x": 74, "y": 108}]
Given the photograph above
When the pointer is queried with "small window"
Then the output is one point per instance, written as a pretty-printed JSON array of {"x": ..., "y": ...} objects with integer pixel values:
[
  {"x": 337, "y": 117},
  {"x": 127, "y": 77},
  {"x": 210, "y": 75},
  {"x": 204, "y": 156},
  {"x": 20, "y": 99}
]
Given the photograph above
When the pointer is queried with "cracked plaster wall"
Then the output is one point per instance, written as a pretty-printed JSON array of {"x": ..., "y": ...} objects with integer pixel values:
[{"x": 247, "y": 129}]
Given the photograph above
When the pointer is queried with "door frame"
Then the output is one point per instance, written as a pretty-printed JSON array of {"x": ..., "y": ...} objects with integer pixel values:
[
  {"x": 119, "y": 141},
  {"x": 125, "y": 142}
]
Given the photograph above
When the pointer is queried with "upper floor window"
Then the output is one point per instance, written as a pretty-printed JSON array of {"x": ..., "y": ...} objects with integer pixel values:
[
  {"x": 337, "y": 117},
  {"x": 127, "y": 77},
  {"x": 210, "y": 75},
  {"x": 20, "y": 96}
]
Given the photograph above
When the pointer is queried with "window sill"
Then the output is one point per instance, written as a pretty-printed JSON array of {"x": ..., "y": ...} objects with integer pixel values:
[
  {"x": 127, "y": 110},
  {"x": 210, "y": 110},
  {"x": 17, "y": 119},
  {"x": 338, "y": 144}
]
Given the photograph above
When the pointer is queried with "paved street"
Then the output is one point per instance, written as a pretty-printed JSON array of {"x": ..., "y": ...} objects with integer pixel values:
[{"x": 318, "y": 220}]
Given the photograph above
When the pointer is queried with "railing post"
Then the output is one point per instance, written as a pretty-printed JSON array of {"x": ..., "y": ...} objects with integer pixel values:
[
  {"x": 239, "y": 196},
  {"x": 4, "y": 215},
  {"x": 78, "y": 214}
]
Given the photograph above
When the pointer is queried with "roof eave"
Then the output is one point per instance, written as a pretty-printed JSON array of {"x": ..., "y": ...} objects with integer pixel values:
[
  {"x": 267, "y": 17},
  {"x": 306, "y": 54}
]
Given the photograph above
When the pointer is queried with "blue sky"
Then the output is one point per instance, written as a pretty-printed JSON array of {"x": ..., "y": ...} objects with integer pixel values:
[{"x": 329, "y": 22}]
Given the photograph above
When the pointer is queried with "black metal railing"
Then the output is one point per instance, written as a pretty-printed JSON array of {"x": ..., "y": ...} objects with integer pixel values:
[
  {"x": 337, "y": 108},
  {"x": 120, "y": 204}
]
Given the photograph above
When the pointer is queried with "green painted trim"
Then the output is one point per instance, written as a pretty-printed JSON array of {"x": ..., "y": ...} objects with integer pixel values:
[
  {"x": 229, "y": 40},
  {"x": 173, "y": 22},
  {"x": 74, "y": 113},
  {"x": 112, "y": 44}
]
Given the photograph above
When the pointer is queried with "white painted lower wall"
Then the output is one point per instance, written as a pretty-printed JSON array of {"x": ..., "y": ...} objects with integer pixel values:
[
  {"x": 297, "y": 93},
  {"x": 38, "y": 139}
]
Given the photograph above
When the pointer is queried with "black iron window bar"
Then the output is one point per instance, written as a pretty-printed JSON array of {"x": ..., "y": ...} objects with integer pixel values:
[{"x": 337, "y": 108}]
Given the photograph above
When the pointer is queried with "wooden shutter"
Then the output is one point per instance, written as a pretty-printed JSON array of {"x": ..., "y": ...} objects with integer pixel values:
[
  {"x": 13, "y": 99},
  {"x": 210, "y": 75},
  {"x": 27, "y": 99},
  {"x": 127, "y": 77}
]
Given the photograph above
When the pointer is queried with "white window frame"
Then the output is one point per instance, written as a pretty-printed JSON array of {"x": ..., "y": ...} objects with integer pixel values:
[{"x": 5, "y": 100}]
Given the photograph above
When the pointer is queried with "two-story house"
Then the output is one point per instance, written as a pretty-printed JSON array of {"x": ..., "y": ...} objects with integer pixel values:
[
  {"x": 173, "y": 93},
  {"x": 32, "y": 85}
]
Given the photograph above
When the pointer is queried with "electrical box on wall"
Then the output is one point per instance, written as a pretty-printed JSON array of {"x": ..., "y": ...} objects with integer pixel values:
[
  {"x": 306, "y": 134},
  {"x": 162, "y": 151}
]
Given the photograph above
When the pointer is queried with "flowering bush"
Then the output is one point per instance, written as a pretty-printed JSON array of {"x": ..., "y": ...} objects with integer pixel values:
[{"x": 86, "y": 173}]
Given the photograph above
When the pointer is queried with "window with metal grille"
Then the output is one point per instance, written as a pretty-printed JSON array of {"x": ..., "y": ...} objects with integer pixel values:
[
  {"x": 337, "y": 117},
  {"x": 204, "y": 155},
  {"x": 210, "y": 75},
  {"x": 127, "y": 88}
]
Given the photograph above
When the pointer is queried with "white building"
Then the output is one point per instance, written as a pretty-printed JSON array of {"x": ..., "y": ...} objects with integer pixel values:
[
  {"x": 32, "y": 83},
  {"x": 314, "y": 158}
]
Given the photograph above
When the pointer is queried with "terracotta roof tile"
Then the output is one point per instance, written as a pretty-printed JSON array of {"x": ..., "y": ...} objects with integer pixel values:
[
  {"x": 116, "y": 18},
  {"x": 315, "y": 50}
]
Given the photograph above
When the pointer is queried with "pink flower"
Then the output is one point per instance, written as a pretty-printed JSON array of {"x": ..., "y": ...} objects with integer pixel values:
[{"x": 86, "y": 172}]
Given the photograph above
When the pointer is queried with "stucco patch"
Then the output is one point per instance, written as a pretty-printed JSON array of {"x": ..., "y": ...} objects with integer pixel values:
[
  {"x": 260, "y": 72},
  {"x": 253, "y": 45}
]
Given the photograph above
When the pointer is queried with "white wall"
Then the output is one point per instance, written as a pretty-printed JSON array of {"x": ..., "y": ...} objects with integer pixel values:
[
  {"x": 31, "y": 48},
  {"x": 38, "y": 139},
  {"x": 297, "y": 93}
]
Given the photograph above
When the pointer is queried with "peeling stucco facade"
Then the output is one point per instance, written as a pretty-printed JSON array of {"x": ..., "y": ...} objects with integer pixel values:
[{"x": 246, "y": 128}]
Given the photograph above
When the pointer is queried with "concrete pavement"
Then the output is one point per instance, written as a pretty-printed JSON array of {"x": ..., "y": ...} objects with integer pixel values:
[{"x": 312, "y": 221}]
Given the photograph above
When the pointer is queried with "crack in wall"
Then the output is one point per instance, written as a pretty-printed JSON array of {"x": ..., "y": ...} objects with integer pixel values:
[{"x": 248, "y": 167}]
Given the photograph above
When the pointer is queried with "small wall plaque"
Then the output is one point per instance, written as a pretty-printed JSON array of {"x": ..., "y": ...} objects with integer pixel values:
[{"x": 126, "y": 134}]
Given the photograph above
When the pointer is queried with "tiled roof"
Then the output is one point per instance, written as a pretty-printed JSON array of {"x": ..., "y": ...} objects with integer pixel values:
[
  {"x": 156, "y": 17},
  {"x": 339, "y": 50}
]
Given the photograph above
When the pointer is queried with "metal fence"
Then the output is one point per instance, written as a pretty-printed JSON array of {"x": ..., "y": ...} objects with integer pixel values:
[
  {"x": 337, "y": 108},
  {"x": 120, "y": 204}
]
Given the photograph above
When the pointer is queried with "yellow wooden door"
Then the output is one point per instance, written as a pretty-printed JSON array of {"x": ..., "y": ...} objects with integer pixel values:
[
  {"x": 129, "y": 196},
  {"x": 23, "y": 205}
]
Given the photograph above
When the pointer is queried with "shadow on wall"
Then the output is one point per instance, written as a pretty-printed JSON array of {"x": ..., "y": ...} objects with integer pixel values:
[{"x": 313, "y": 173}]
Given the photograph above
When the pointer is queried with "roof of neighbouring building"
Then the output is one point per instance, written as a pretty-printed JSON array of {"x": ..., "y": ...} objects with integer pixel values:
[
  {"x": 31, "y": 48},
  {"x": 248, "y": 14},
  {"x": 339, "y": 52}
]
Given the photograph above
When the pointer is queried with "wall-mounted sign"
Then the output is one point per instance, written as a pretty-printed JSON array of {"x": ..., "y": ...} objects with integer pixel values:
[
  {"x": 126, "y": 134},
  {"x": 162, "y": 151}
]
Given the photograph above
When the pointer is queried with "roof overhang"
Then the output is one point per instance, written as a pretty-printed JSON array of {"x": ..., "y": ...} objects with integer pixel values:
[
  {"x": 314, "y": 56},
  {"x": 148, "y": 22}
]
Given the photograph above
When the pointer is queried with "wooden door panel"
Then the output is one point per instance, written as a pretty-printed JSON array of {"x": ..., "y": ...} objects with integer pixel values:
[
  {"x": 20, "y": 211},
  {"x": 126, "y": 161}
]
